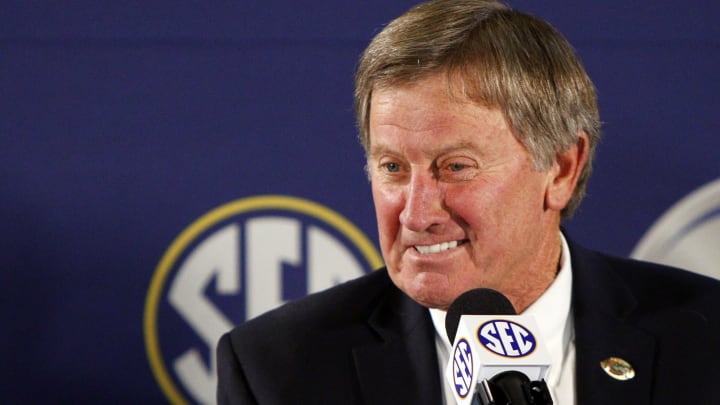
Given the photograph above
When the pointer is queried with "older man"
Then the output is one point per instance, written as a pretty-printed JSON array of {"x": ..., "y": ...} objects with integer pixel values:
[{"x": 479, "y": 125}]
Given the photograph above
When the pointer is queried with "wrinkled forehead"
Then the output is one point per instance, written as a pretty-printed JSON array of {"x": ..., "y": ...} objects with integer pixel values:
[{"x": 466, "y": 83}]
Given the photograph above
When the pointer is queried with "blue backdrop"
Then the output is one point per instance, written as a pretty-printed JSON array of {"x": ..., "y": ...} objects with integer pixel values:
[{"x": 137, "y": 137}]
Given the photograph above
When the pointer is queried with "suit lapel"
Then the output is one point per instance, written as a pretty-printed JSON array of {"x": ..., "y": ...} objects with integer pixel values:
[
  {"x": 402, "y": 366},
  {"x": 603, "y": 308}
]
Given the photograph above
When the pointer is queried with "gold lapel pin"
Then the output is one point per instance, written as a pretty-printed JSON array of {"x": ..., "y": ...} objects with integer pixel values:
[{"x": 618, "y": 368}]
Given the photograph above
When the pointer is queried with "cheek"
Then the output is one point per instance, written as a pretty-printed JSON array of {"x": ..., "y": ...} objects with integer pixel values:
[
  {"x": 388, "y": 205},
  {"x": 471, "y": 205},
  {"x": 491, "y": 209}
]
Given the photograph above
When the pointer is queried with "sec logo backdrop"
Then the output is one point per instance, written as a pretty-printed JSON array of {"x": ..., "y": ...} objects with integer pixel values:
[
  {"x": 232, "y": 264},
  {"x": 688, "y": 234}
]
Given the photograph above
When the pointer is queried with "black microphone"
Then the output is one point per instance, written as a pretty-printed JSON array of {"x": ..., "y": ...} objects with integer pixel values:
[
  {"x": 494, "y": 351},
  {"x": 480, "y": 301}
]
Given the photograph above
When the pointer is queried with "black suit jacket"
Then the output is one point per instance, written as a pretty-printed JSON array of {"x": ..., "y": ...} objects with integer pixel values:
[{"x": 367, "y": 342}]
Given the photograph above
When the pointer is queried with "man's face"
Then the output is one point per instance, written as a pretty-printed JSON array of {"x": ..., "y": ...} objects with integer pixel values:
[{"x": 458, "y": 202}]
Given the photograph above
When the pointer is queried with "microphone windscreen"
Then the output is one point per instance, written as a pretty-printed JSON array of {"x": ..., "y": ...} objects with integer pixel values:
[{"x": 480, "y": 301}]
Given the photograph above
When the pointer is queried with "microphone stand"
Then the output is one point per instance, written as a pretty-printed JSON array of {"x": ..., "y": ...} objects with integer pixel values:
[{"x": 512, "y": 387}]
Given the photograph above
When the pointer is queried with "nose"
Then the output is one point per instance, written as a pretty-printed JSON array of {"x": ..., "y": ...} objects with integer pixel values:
[{"x": 424, "y": 206}]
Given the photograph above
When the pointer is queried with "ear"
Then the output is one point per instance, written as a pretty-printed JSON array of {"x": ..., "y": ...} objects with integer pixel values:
[{"x": 565, "y": 172}]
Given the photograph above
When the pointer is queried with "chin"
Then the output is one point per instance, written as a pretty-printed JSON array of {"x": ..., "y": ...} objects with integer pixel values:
[{"x": 430, "y": 290}]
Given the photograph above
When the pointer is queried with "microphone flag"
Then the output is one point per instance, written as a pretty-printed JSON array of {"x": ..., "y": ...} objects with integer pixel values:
[{"x": 488, "y": 345}]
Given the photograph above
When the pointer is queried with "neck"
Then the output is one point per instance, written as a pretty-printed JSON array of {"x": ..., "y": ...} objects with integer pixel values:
[{"x": 524, "y": 292}]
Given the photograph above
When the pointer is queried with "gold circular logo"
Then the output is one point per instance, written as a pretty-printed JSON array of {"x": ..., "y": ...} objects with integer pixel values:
[{"x": 257, "y": 207}]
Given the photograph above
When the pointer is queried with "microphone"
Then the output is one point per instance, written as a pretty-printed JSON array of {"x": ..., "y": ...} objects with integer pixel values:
[
  {"x": 480, "y": 301},
  {"x": 497, "y": 356}
]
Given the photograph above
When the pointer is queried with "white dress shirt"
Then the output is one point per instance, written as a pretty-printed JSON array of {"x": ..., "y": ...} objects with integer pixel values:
[{"x": 552, "y": 313}]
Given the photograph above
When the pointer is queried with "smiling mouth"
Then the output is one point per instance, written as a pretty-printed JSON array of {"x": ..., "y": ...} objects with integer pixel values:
[{"x": 439, "y": 247}]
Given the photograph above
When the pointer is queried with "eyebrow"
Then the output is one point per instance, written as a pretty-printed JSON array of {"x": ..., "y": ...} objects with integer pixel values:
[{"x": 375, "y": 151}]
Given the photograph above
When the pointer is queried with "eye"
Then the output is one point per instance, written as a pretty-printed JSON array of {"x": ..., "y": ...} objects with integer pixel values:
[
  {"x": 457, "y": 169},
  {"x": 391, "y": 167}
]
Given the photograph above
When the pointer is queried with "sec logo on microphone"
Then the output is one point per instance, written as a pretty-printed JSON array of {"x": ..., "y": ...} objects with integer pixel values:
[
  {"x": 234, "y": 263},
  {"x": 506, "y": 338},
  {"x": 463, "y": 368}
]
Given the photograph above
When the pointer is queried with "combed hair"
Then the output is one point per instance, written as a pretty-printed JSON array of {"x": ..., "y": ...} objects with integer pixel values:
[{"x": 496, "y": 57}]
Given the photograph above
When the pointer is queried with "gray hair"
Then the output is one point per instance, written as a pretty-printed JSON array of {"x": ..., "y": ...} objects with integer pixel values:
[{"x": 496, "y": 57}]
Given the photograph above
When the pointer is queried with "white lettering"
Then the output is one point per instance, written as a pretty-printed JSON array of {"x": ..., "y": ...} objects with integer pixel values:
[
  {"x": 463, "y": 368},
  {"x": 270, "y": 242},
  {"x": 506, "y": 339},
  {"x": 521, "y": 335},
  {"x": 216, "y": 257},
  {"x": 489, "y": 333},
  {"x": 329, "y": 261}
]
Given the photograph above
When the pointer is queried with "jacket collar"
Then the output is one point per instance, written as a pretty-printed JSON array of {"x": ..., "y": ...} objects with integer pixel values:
[
  {"x": 402, "y": 366},
  {"x": 603, "y": 308}
]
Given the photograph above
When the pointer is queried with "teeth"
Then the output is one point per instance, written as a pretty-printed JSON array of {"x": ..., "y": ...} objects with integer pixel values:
[{"x": 440, "y": 247}]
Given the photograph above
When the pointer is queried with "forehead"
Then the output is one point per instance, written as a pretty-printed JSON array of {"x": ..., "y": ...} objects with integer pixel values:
[
  {"x": 411, "y": 124},
  {"x": 430, "y": 106}
]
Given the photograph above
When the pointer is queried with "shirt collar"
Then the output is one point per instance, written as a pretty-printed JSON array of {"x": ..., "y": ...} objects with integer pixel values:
[{"x": 551, "y": 313}]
